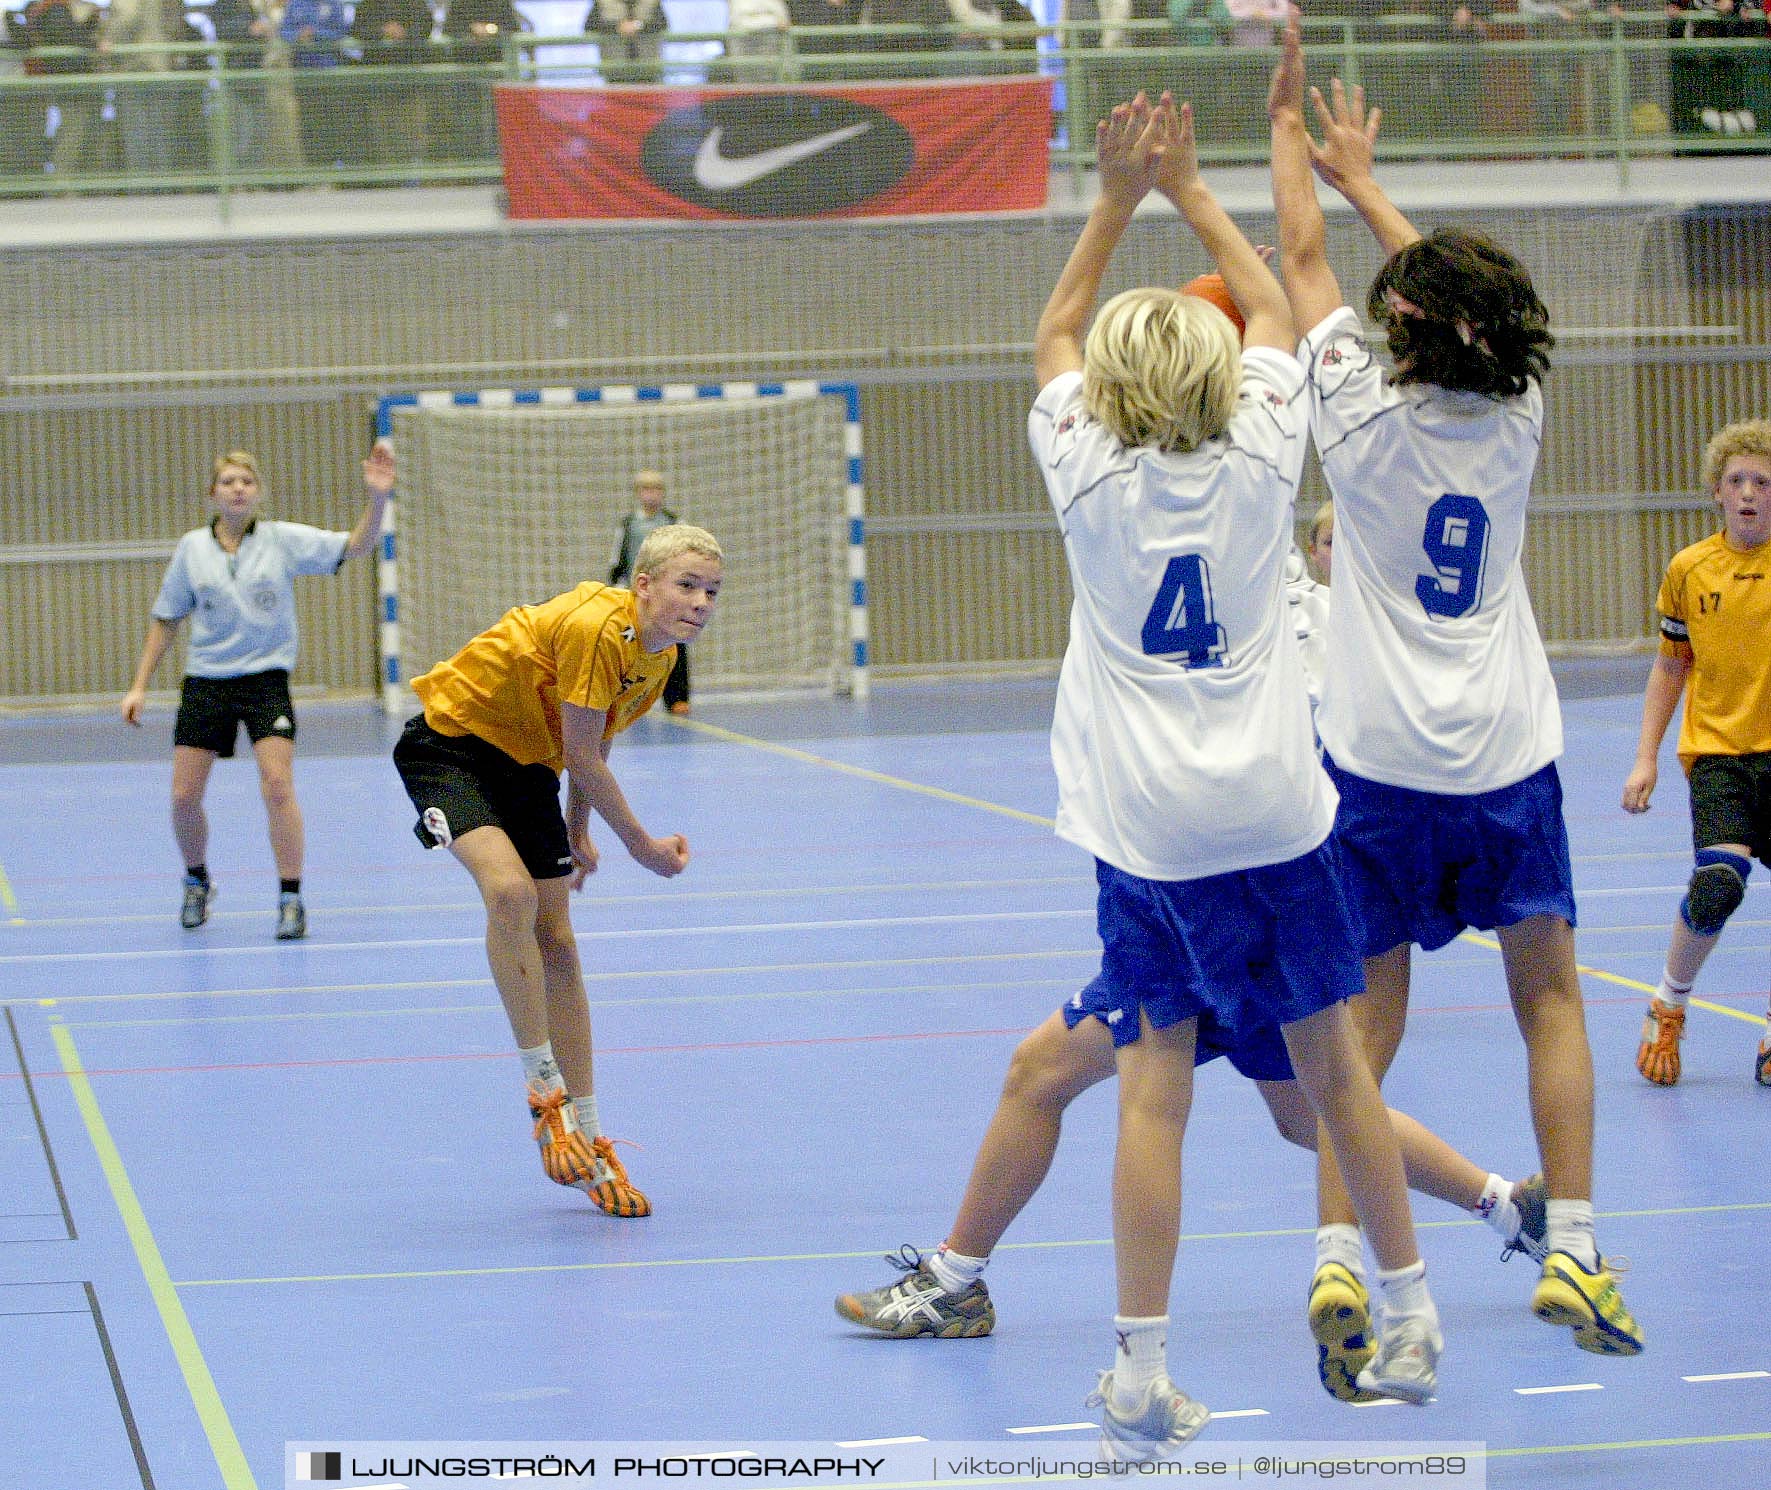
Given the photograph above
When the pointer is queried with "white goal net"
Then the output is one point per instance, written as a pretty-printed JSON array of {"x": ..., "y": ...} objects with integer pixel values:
[{"x": 508, "y": 498}]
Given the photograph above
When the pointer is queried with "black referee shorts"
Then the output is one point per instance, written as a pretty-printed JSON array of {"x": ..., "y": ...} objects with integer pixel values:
[
  {"x": 460, "y": 782},
  {"x": 211, "y": 710}
]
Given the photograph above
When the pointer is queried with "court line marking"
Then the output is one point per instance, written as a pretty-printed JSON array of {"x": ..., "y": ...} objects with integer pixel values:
[
  {"x": 877, "y": 1443},
  {"x": 24, "y": 1071},
  {"x": 1242, "y": 1412},
  {"x": 1728, "y": 1376},
  {"x": 8, "y": 900},
  {"x": 806, "y": 757},
  {"x": 623, "y": 934},
  {"x": 224, "y": 1444},
  {"x": 1053, "y": 1428},
  {"x": 1574, "y": 1386},
  {"x": 759, "y": 892},
  {"x": 129, "y": 1425},
  {"x": 631, "y": 1264},
  {"x": 1618, "y": 978}
]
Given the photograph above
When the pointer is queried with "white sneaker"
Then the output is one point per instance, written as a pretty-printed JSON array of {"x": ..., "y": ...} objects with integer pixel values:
[
  {"x": 1406, "y": 1365},
  {"x": 1163, "y": 1419}
]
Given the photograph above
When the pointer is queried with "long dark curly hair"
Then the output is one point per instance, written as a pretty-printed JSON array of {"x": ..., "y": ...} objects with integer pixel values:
[{"x": 1460, "y": 312}]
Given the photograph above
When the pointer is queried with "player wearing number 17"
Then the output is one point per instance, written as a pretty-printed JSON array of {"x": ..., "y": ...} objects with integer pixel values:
[
  {"x": 1182, "y": 743},
  {"x": 1439, "y": 716}
]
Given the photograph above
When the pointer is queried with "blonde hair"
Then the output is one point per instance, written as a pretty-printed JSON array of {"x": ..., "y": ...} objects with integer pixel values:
[
  {"x": 669, "y": 542},
  {"x": 1161, "y": 368},
  {"x": 234, "y": 458},
  {"x": 1748, "y": 437},
  {"x": 1324, "y": 519},
  {"x": 648, "y": 478}
]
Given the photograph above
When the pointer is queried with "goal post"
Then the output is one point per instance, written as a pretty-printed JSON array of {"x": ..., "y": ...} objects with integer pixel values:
[{"x": 508, "y": 496}]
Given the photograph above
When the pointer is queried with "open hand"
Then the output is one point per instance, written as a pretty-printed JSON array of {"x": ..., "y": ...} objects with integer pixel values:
[
  {"x": 1349, "y": 135},
  {"x": 1129, "y": 144}
]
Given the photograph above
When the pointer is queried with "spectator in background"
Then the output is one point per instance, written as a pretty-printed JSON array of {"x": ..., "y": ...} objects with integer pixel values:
[
  {"x": 1556, "y": 77},
  {"x": 68, "y": 23},
  {"x": 24, "y": 138},
  {"x": 153, "y": 118},
  {"x": 983, "y": 21},
  {"x": 261, "y": 102},
  {"x": 476, "y": 30},
  {"x": 1709, "y": 91},
  {"x": 629, "y": 37},
  {"x": 1453, "y": 82},
  {"x": 758, "y": 34},
  {"x": 931, "y": 17},
  {"x": 314, "y": 29},
  {"x": 396, "y": 33}
]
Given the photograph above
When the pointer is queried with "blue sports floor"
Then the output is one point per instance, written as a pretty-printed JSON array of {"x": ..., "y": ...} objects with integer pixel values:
[{"x": 253, "y": 1192}]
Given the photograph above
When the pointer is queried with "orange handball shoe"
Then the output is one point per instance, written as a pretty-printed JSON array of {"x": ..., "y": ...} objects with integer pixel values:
[
  {"x": 565, "y": 1154},
  {"x": 1657, "y": 1057},
  {"x": 609, "y": 1189}
]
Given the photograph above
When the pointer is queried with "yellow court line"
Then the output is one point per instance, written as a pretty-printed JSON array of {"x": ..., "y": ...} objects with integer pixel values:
[
  {"x": 223, "y": 1443},
  {"x": 1623, "y": 982},
  {"x": 806, "y": 756},
  {"x": 634, "y": 1264},
  {"x": 9, "y": 901}
]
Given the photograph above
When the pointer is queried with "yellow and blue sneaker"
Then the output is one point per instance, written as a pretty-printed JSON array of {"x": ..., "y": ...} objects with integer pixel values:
[
  {"x": 1762, "y": 1064},
  {"x": 1571, "y": 1294},
  {"x": 1340, "y": 1322}
]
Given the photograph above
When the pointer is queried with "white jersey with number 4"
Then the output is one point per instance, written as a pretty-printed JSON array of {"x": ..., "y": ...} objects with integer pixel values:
[
  {"x": 1436, "y": 676},
  {"x": 1181, "y": 738}
]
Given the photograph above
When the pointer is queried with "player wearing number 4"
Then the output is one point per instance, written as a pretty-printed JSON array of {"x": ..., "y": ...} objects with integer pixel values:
[
  {"x": 235, "y": 579},
  {"x": 1715, "y": 610},
  {"x": 544, "y": 690},
  {"x": 1439, "y": 716},
  {"x": 1182, "y": 744}
]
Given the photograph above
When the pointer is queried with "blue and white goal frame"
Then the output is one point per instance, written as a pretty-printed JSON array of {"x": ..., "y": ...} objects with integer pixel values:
[{"x": 394, "y": 697}]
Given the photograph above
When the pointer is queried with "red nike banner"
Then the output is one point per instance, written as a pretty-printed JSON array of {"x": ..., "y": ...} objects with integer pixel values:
[{"x": 856, "y": 150}]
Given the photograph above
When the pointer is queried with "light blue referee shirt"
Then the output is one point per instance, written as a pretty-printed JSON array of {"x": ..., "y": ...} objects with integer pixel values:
[{"x": 243, "y": 603}]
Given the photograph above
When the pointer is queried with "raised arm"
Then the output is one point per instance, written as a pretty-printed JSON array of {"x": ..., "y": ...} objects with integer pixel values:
[
  {"x": 1344, "y": 160},
  {"x": 1246, "y": 276},
  {"x": 1310, "y": 285},
  {"x": 1666, "y": 682},
  {"x": 1127, "y": 149},
  {"x": 378, "y": 486}
]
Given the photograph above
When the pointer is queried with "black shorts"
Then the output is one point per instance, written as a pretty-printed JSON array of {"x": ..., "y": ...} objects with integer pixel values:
[
  {"x": 459, "y": 783},
  {"x": 1731, "y": 802},
  {"x": 211, "y": 711}
]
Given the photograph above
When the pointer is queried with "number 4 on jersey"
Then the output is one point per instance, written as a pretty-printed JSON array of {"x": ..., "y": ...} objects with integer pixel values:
[{"x": 1181, "y": 623}]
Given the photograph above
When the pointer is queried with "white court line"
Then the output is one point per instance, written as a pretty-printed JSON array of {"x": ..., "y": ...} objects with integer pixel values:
[
  {"x": 880, "y": 1443},
  {"x": 1242, "y": 1412},
  {"x": 1578, "y": 1386},
  {"x": 1054, "y": 1428},
  {"x": 1381, "y": 1402},
  {"x": 1727, "y": 1376},
  {"x": 275, "y": 949}
]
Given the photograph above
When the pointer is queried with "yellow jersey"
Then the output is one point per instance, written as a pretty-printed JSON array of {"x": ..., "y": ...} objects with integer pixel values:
[
  {"x": 1715, "y": 608},
  {"x": 506, "y": 685}
]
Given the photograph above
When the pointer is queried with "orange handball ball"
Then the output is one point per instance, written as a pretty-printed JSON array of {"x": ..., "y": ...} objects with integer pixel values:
[{"x": 1211, "y": 287}]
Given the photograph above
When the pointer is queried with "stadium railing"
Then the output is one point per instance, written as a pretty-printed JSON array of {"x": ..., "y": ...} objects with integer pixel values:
[{"x": 212, "y": 117}]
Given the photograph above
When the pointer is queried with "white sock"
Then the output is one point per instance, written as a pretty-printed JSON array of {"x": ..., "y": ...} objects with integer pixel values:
[
  {"x": 1570, "y": 1225},
  {"x": 954, "y": 1271},
  {"x": 541, "y": 1069},
  {"x": 1403, "y": 1294},
  {"x": 1672, "y": 994},
  {"x": 1496, "y": 1207},
  {"x": 1142, "y": 1357},
  {"x": 587, "y": 1118},
  {"x": 1342, "y": 1243}
]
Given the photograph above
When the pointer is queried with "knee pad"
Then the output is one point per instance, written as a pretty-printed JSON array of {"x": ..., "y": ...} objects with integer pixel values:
[{"x": 1718, "y": 885}]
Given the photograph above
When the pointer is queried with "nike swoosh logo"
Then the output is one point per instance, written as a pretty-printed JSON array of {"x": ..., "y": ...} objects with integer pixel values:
[{"x": 716, "y": 172}]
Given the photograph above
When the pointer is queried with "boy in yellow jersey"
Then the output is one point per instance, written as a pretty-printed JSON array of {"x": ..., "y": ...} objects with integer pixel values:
[
  {"x": 547, "y": 689},
  {"x": 1715, "y": 608}
]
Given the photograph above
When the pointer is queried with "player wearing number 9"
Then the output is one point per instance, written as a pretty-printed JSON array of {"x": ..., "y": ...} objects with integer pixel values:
[
  {"x": 1439, "y": 715},
  {"x": 1183, "y": 748}
]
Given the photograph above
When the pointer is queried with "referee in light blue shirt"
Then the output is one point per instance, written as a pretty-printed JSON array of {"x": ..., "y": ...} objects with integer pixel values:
[{"x": 235, "y": 577}]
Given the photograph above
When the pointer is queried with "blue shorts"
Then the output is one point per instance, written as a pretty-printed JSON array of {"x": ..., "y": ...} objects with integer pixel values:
[
  {"x": 1243, "y": 953},
  {"x": 1422, "y": 866},
  {"x": 1258, "y": 1053}
]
